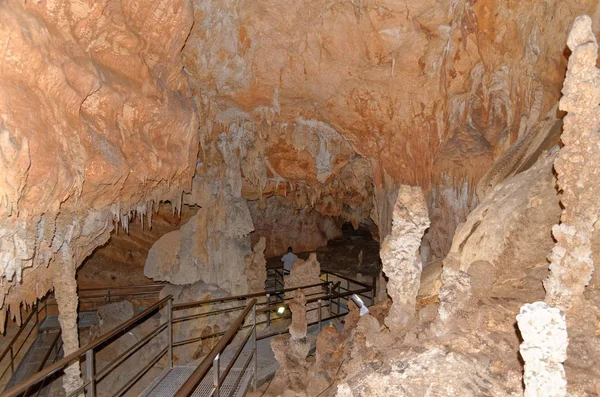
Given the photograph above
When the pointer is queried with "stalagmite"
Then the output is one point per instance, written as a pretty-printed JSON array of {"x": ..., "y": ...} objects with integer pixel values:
[
  {"x": 577, "y": 167},
  {"x": 256, "y": 267},
  {"x": 544, "y": 349},
  {"x": 400, "y": 255},
  {"x": 65, "y": 291}
]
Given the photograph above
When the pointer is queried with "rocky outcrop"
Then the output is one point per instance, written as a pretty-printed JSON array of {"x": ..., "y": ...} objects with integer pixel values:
[
  {"x": 283, "y": 226},
  {"x": 205, "y": 249},
  {"x": 291, "y": 351},
  {"x": 504, "y": 238},
  {"x": 537, "y": 137},
  {"x": 544, "y": 349},
  {"x": 256, "y": 267},
  {"x": 577, "y": 166},
  {"x": 411, "y": 375},
  {"x": 306, "y": 272},
  {"x": 97, "y": 121},
  {"x": 208, "y": 327},
  {"x": 400, "y": 256}
]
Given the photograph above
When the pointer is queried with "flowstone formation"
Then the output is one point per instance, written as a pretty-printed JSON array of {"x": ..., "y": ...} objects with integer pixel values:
[
  {"x": 291, "y": 351},
  {"x": 505, "y": 238},
  {"x": 93, "y": 130},
  {"x": 213, "y": 245},
  {"x": 207, "y": 327},
  {"x": 306, "y": 272},
  {"x": 577, "y": 167},
  {"x": 400, "y": 256},
  {"x": 256, "y": 267},
  {"x": 544, "y": 349},
  {"x": 426, "y": 93}
]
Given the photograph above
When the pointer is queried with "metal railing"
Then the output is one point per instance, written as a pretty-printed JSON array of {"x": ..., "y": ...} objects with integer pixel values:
[
  {"x": 89, "y": 299},
  {"x": 10, "y": 358},
  {"x": 326, "y": 300},
  {"x": 320, "y": 296},
  {"x": 88, "y": 352},
  {"x": 212, "y": 360},
  {"x": 275, "y": 275}
]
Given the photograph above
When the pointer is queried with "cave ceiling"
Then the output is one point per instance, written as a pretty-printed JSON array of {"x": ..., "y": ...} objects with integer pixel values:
[{"x": 109, "y": 107}]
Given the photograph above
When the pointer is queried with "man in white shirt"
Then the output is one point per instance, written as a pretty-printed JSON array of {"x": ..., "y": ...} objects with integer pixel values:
[{"x": 288, "y": 260}]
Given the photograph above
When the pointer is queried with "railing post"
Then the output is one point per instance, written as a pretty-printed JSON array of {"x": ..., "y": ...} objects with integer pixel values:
[
  {"x": 339, "y": 291},
  {"x": 37, "y": 314},
  {"x": 268, "y": 310},
  {"x": 255, "y": 376},
  {"x": 326, "y": 277},
  {"x": 89, "y": 364},
  {"x": 330, "y": 289},
  {"x": 170, "y": 331},
  {"x": 373, "y": 287},
  {"x": 319, "y": 301},
  {"x": 12, "y": 360},
  {"x": 216, "y": 375}
]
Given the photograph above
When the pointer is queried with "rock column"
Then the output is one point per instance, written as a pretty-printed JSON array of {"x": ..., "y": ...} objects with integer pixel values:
[
  {"x": 65, "y": 292},
  {"x": 544, "y": 349},
  {"x": 577, "y": 167},
  {"x": 400, "y": 256}
]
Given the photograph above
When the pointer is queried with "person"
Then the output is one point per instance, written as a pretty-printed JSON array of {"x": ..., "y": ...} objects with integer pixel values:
[{"x": 288, "y": 260}]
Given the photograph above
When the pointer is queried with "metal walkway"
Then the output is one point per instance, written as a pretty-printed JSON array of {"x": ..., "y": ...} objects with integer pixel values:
[
  {"x": 44, "y": 349},
  {"x": 242, "y": 357}
]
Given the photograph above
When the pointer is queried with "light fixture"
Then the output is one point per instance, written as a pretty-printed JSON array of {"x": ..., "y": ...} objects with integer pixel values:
[
  {"x": 363, "y": 308},
  {"x": 281, "y": 310}
]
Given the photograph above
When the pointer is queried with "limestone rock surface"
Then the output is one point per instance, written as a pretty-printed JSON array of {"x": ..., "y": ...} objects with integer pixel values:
[
  {"x": 577, "y": 166},
  {"x": 400, "y": 255},
  {"x": 544, "y": 349},
  {"x": 256, "y": 267}
]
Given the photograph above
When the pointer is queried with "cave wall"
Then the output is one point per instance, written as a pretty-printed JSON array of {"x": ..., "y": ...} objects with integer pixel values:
[
  {"x": 335, "y": 105},
  {"x": 96, "y": 123},
  {"x": 283, "y": 226},
  {"x": 429, "y": 93}
]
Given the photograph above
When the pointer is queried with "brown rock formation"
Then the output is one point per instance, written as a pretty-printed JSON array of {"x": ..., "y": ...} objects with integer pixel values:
[
  {"x": 256, "y": 267},
  {"x": 577, "y": 165},
  {"x": 283, "y": 226},
  {"x": 200, "y": 327},
  {"x": 291, "y": 351},
  {"x": 504, "y": 238},
  {"x": 306, "y": 273},
  {"x": 97, "y": 121},
  {"x": 400, "y": 256},
  {"x": 298, "y": 308}
]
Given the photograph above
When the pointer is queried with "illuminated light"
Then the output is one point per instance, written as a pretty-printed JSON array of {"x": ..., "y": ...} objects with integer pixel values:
[{"x": 281, "y": 310}]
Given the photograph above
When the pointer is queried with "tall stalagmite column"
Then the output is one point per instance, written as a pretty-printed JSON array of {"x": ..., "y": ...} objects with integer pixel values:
[
  {"x": 65, "y": 291},
  {"x": 577, "y": 166},
  {"x": 400, "y": 255},
  {"x": 544, "y": 349}
]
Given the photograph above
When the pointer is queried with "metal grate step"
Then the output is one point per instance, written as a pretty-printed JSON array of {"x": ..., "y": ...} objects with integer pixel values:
[
  {"x": 85, "y": 320},
  {"x": 168, "y": 385}
]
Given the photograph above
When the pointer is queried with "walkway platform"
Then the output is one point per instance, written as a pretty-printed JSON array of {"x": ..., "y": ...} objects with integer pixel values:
[{"x": 170, "y": 381}]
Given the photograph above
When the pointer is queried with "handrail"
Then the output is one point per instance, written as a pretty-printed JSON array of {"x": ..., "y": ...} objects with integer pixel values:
[
  {"x": 348, "y": 279},
  {"x": 192, "y": 382},
  {"x": 35, "y": 309},
  {"x": 185, "y": 305},
  {"x": 214, "y": 355},
  {"x": 65, "y": 361},
  {"x": 137, "y": 286},
  {"x": 14, "y": 339},
  {"x": 57, "y": 337}
]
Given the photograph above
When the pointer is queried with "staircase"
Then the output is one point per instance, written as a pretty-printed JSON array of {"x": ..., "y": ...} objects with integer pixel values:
[{"x": 242, "y": 356}]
